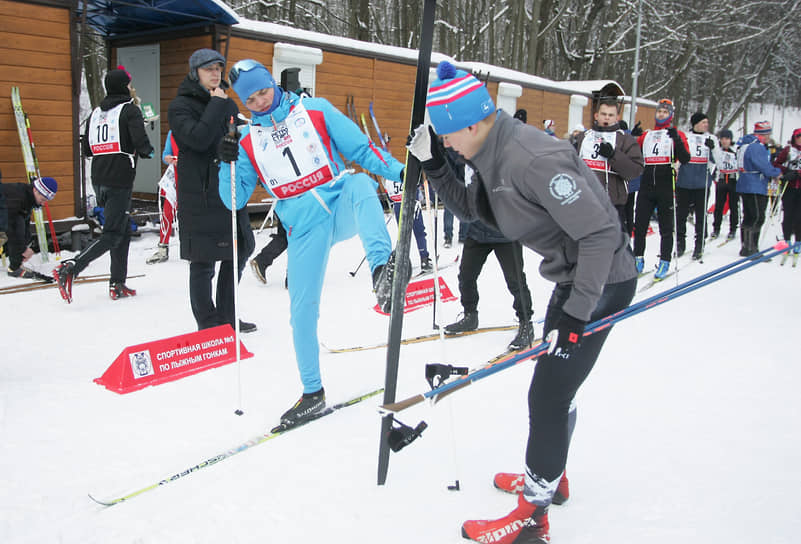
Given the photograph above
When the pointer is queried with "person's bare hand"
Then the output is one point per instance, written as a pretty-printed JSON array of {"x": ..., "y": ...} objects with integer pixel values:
[{"x": 218, "y": 92}]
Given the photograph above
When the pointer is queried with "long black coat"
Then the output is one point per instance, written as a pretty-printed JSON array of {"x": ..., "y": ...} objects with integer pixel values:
[{"x": 198, "y": 122}]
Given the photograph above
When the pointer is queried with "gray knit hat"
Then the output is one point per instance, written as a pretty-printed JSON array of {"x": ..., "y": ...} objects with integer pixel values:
[{"x": 204, "y": 57}]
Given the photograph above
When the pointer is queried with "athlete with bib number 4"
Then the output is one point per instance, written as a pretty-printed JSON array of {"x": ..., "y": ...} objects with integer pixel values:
[{"x": 292, "y": 147}]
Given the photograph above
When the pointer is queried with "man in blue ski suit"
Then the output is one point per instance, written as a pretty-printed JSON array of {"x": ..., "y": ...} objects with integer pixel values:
[
  {"x": 755, "y": 171},
  {"x": 293, "y": 148}
]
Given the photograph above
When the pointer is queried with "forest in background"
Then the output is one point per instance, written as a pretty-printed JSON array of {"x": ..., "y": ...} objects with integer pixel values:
[{"x": 714, "y": 57}]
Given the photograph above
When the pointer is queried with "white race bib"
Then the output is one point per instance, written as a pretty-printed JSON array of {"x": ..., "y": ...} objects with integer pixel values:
[
  {"x": 793, "y": 161},
  {"x": 589, "y": 149},
  {"x": 104, "y": 130},
  {"x": 290, "y": 156},
  {"x": 657, "y": 147},
  {"x": 167, "y": 184},
  {"x": 699, "y": 152},
  {"x": 728, "y": 162}
]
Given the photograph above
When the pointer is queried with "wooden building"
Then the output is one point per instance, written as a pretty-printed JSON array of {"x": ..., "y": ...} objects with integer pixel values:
[{"x": 153, "y": 39}]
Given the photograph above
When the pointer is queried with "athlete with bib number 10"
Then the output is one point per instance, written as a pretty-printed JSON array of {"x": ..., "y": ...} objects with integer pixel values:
[{"x": 292, "y": 147}]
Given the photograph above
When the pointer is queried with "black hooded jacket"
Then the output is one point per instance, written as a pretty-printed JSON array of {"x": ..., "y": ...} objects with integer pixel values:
[
  {"x": 119, "y": 169},
  {"x": 198, "y": 122}
]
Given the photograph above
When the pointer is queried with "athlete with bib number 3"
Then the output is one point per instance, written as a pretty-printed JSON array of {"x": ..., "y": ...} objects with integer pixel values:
[{"x": 292, "y": 147}]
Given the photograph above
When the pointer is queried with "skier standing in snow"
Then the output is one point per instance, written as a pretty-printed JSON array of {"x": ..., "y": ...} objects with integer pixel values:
[
  {"x": 535, "y": 189},
  {"x": 478, "y": 241},
  {"x": 614, "y": 156},
  {"x": 17, "y": 201},
  {"x": 293, "y": 148},
  {"x": 726, "y": 186},
  {"x": 753, "y": 163},
  {"x": 661, "y": 147},
  {"x": 693, "y": 183},
  {"x": 199, "y": 117},
  {"x": 789, "y": 160},
  {"x": 115, "y": 138},
  {"x": 168, "y": 198}
]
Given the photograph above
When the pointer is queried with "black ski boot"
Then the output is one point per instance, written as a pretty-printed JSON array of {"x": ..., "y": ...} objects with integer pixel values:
[
  {"x": 469, "y": 322},
  {"x": 426, "y": 267},
  {"x": 680, "y": 247},
  {"x": 524, "y": 338},
  {"x": 382, "y": 282},
  {"x": 306, "y": 406},
  {"x": 119, "y": 290},
  {"x": 64, "y": 275}
]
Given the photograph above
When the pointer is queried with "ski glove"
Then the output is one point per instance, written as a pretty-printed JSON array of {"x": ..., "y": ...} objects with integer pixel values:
[
  {"x": 637, "y": 130},
  {"x": 710, "y": 143},
  {"x": 790, "y": 176},
  {"x": 228, "y": 148},
  {"x": 606, "y": 150},
  {"x": 424, "y": 144},
  {"x": 673, "y": 133},
  {"x": 566, "y": 336}
]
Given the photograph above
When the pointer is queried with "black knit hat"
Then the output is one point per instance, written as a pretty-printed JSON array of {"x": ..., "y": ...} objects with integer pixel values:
[
  {"x": 117, "y": 81},
  {"x": 726, "y": 133},
  {"x": 697, "y": 117}
]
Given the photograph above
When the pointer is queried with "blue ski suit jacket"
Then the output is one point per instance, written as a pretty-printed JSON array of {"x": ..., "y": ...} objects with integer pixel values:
[
  {"x": 757, "y": 169},
  {"x": 317, "y": 219}
]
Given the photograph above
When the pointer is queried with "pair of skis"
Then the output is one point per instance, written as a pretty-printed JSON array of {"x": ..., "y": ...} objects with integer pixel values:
[
  {"x": 47, "y": 282},
  {"x": 32, "y": 170},
  {"x": 248, "y": 444}
]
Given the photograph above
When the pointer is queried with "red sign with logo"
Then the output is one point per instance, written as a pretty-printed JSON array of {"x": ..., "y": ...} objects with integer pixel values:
[
  {"x": 420, "y": 294},
  {"x": 171, "y": 359}
]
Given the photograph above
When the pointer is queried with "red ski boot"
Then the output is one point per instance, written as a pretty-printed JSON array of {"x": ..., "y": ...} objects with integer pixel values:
[
  {"x": 515, "y": 482},
  {"x": 526, "y": 524},
  {"x": 120, "y": 290},
  {"x": 64, "y": 274}
]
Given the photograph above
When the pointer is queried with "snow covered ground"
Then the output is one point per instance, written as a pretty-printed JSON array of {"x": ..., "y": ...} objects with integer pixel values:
[{"x": 688, "y": 426}]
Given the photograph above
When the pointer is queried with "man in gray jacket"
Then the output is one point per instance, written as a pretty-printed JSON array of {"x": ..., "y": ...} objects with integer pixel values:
[{"x": 537, "y": 190}]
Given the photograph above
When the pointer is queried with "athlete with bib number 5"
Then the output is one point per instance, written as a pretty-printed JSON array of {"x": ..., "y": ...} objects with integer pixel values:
[{"x": 292, "y": 147}]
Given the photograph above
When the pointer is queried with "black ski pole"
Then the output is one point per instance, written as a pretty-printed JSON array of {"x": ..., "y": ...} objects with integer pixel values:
[{"x": 412, "y": 177}]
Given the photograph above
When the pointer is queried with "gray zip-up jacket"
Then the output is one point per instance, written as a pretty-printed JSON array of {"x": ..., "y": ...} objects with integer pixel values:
[{"x": 535, "y": 189}]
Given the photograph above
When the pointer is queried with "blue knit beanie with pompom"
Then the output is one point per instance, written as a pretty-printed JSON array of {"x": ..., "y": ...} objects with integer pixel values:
[{"x": 457, "y": 100}]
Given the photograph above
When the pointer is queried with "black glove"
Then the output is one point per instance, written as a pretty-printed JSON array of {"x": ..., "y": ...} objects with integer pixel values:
[
  {"x": 566, "y": 336},
  {"x": 710, "y": 143},
  {"x": 228, "y": 148},
  {"x": 606, "y": 150},
  {"x": 637, "y": 130},
  {"x": 790, "y": 176},
  {"x": 672, "y": 132}
]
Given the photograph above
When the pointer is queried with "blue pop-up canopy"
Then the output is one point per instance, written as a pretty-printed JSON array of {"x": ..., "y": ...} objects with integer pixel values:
[{"x": 115, "y": 18}]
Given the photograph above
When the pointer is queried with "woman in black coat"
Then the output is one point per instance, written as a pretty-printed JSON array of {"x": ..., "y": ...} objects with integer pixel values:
[{"x": 199, "y": 117}]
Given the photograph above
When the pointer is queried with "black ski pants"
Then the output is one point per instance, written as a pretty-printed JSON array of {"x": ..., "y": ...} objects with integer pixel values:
[
  {"x": 510, "y": 257},
  {"x": 207, "y": 313},
  {"x": 791, "y": 219},
  {"x": 556, "y": 381},
  {"x": 726, "y": 191},
  {"x": 116, "y": 236},
  {"x": 684, "y": 199},
  {"x": 278, "y": 244},
  {"x": 754, "y": 210},
  {"x": 651, "y": 197}
]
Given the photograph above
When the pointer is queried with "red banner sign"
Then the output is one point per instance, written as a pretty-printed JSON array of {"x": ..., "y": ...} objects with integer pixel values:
[
  {"x": 171, "y": 359},
  {"x": 420, "y": 294}
]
